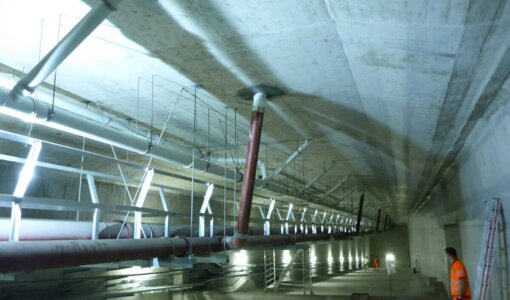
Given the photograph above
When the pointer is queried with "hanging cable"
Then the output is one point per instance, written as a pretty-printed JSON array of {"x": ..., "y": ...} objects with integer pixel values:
[
  {"x": 225, "y": 182},
  {"x": 193, "y": 168}
]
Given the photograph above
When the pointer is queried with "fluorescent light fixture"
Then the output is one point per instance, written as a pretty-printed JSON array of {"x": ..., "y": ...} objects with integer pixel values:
[
  {"x": 240, "y": 258},
  {"x": 207, "y": 197},
  {"x": 390, "y": 257},
  {"x": 286, "y": 257},
  {"x": 27, "y": 118},
  {"x": 27, "y": 172}
]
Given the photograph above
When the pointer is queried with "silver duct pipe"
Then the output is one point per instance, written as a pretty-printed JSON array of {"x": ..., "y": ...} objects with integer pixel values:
[
  {"x": 32, "y": 111},
  {"x": 260, "y": 164},
  {"x": 291, "y": 158},
  {"x": 39, "y": 229},
  {"x": 67, "y": 45},
  {"x": 336, "y": 187}
]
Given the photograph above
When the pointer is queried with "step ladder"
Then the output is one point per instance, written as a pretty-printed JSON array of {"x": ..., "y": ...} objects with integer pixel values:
[{"x": 491, "y": 234}]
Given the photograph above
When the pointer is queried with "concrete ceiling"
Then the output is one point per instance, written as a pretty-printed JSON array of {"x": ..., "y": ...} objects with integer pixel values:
[{"x": 389, "y": 90}]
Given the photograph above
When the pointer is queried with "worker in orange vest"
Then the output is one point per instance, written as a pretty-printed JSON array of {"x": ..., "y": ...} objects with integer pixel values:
[
  {"x": 375, "y": 263},
  {"x": 459, "y": 281}
]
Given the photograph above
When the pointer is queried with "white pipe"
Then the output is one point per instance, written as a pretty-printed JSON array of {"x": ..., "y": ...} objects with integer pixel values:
[
  {"x": 336, "y": 187},
  {"x": 291, "y": 158},
  {"x": 32, "y": 110},
  {"x": 65, "y": 47},
  {"x": 37, "y": 229},
  {"x": 260, "y": 164}
]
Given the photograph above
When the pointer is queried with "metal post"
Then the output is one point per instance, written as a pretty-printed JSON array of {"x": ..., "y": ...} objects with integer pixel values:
[
  {"x": 360, "y": 212},
  {"x": 378, "y": 219},
  {"x": 95, "y": 199},
  {"x": 385, "y": 222},
  {"x": 165, "y": 208},
  {"x": 137, "y": 230}
]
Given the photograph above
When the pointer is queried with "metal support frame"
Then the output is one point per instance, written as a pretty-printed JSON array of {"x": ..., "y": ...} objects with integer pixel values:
[
  {"x": 322, "y": 221},
  {"x": 24, "y": 178},
  {"x": 267, "y": 217},
  {"x": 165, "y": 208},
  {"x": 147, "y": 181},
  {"x": 282, "y": 221},
  {"x": 287, "y": 217},
  {"x": 204, "y": 209},
  {"x": 314, "y": 226},
  {"x": 304, "y": 228},
  {"x": 95, "y": 199}
]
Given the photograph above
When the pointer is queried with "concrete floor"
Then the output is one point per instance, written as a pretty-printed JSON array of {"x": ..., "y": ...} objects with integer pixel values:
[{"x": 404, "y": 285}]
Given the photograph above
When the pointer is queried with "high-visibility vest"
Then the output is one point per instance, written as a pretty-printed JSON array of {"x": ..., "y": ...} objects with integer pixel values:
[{"x": 457, "y": 272}]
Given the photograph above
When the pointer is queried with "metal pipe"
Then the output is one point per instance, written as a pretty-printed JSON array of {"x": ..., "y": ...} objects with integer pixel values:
[
  {"x": 38, "y": 113},
  {"x": 251, "y": 163},
  {"x": 29, "y": 256},
  {"x": 307, "y": 186},
  {"x": 336, "y": 187},
  {"x": 291, "y": 158},
  {"x": 25, "y": 256},
  {"x": 38, "y": 229},
  {"x": 67, "y": 45},
  {"x": 360, "y": 213},
  {"x": 378, "y": 219}
]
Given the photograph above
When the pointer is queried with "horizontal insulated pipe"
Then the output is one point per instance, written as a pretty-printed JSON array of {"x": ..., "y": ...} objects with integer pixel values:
[
  {"x": 252, "y": 152},
  {"x": 30, "y": 256},
  {"x": 26, "y": 256},
  {"x": 39, "y": 229},
  {"x": 67, "y": 45},
  {"x": 35, "y": 112}
]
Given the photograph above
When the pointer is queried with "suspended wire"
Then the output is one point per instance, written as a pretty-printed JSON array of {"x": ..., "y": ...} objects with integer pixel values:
[
  {"x": 225, "y": 183},
  {"x": 193, "y": 169}
]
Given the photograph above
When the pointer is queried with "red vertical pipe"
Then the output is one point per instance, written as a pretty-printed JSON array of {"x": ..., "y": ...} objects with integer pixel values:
[{"x": 252, "y": 154}]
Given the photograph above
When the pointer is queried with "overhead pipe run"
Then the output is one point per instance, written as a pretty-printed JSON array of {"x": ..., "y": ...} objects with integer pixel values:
[
  {"x": 65, "y": 47},
  {"x": 291, "y": 158},
  {"x": 35, "y": 255},
  {"x": 252, "y": 152}
]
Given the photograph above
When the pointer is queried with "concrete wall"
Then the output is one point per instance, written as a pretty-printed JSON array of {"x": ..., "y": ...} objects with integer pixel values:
[
  {"x": 455, "y": 213},
  {"x": 395, "y": 241}
]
